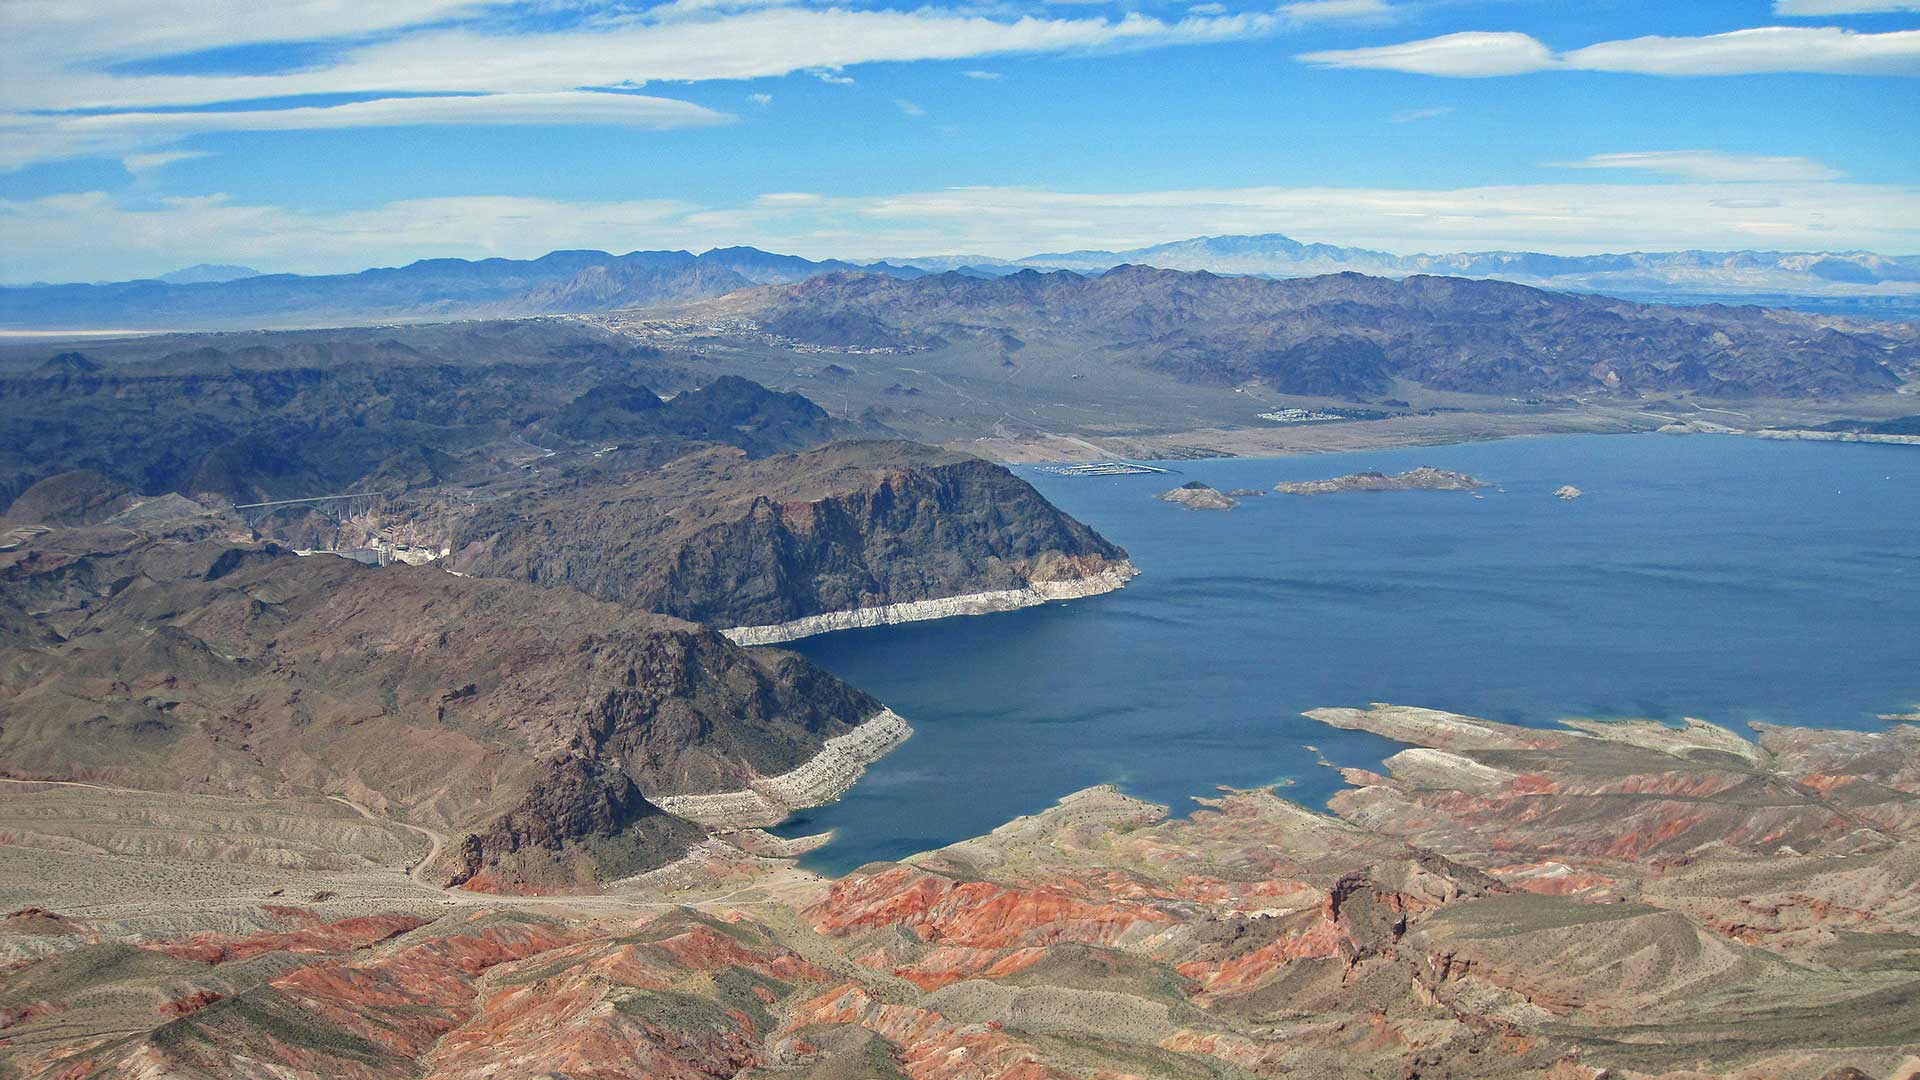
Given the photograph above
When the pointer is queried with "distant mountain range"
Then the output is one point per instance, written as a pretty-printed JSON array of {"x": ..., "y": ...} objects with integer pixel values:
[
  {"x": 1346, "y": 335},
  {"x": 1669, "y": 275},
  {"x": 202, "y": 273},
  {"x": 215, "y": 297},
  {"x": 426, "y": 291}
]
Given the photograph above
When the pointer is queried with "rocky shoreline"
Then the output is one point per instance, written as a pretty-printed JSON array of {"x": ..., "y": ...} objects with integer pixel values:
[
  {"x": 1112, "y": 576},
  {"x": 821, "y": 779}
]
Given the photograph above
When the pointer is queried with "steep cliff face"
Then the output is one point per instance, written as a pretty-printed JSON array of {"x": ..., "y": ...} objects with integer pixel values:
[
  {"x": 536, "y": 723},
  {"x": 717, "y": 539}
]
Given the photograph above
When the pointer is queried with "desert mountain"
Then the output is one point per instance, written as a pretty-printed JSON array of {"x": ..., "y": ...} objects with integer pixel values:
[
  {"x": 1666, "y": 275},
  {"x": 537, "y": 727},
  {"x": 202, "y": 273},
  {"x": 1348, "y": 335},
  {"x": 721, "y": 539},
  {"x": 428, "y": 290},
  {"x": 210, "y": 297},
  {"x": 271, "y": 416}
]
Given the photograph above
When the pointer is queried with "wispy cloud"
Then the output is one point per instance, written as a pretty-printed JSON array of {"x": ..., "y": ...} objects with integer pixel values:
[
  {"x": 1764, "y": 50},
  {"x": 25, "y": 139},
  {"x": 86, "y": 236},
  {"x": 760, "y": 99},
  {"x": 1711, "y": 165},
  {"x": 908, "y": 107},
  {"x": 1473, "y": 54},
  {"x": 733, "y": 45},
  {"x": 130, "y": 29},
  {"x": 73, "y": 67},
  {"x": 1411, "y": 116},
  {"x": 1817, "y": 8},
  {"x": 139, "y": 163},
  {"x": 1312, "y": 10},
  {"x": 976, "y": 73}
]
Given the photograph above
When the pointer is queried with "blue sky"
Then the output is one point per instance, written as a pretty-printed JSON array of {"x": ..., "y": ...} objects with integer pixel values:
[{"x": 328, "y": 135}]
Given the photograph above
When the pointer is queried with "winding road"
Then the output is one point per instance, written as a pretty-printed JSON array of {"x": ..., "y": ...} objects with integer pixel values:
[{"x": 437, "y": 840}]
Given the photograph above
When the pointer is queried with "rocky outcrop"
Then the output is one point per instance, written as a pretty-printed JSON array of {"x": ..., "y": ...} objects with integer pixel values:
[
  {"x": 1110, "y": 577},
  {"x": 1424, "y": 478},
  {"x": 581, "y": 810},
  {"x": 822, "y": 779},
  {"x": 1567, "y": 492},
  {"x": 719, "y": 539},
  {"x": 1195, "y": 495}
]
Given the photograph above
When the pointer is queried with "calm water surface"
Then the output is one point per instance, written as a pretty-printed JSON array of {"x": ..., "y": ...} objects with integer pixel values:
[{"x": 1725, "y": 578}]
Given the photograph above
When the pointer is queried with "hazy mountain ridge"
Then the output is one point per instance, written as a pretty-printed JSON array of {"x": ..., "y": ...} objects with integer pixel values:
[
  {"x": 202, "y": 273},
  {"x": 269, "y": 416},
  {"x": 214, "y": 297},
  {"x": 1349, "y": 335},
  {"x": 431, "y": 289},
  {"x": 1636, "y": 274}
]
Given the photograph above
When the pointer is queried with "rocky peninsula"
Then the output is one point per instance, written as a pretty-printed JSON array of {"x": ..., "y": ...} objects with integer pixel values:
[
  {"x": 822, "y": 779},
  {"x": 853, "y": 534},
  {"x": 1424, "y": 478}
]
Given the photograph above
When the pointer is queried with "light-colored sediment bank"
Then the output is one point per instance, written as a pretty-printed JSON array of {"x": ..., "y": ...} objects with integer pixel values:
[
  {"x": 1839, "y": 436},
  {"x": 823, "y": 778},
  {"x": 981, "y": 603}
]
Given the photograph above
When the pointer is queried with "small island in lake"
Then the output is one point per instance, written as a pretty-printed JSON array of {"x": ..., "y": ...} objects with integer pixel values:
[
  {"x": 1567, "y": 492},
  {"x": 1195, "y": 495},
  {"x": 1424, "y": 478}
]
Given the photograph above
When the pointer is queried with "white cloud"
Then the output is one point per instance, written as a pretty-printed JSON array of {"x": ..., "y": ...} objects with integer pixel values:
[
  {"x": 1469, "y": 55},
  {"x": 908, "y": 107},
  {"x": 1764, "y": 50},
  {"x": 760, "y": 99},
  {"x": 123, "y": 29},
  {"x": 987, "y": 76},
  {"x": 1409, "y": 116},
  {"x": 25, "y": 139},
  {"x": 751, "y": 44},
  {"x": 1311, "y": 10},
  {"x": 1712, "y": 165},
  {"x": 139, "y": 163},
  {"x": 1768, "y": 49},
  {"x": 92, "y": 235},
  {"x": 68, "y": 58},
  {"x": 1842, "y": 7}
]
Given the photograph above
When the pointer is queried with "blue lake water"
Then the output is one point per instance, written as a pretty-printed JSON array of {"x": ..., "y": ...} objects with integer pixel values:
[{"x": 1725, "y": 578}]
